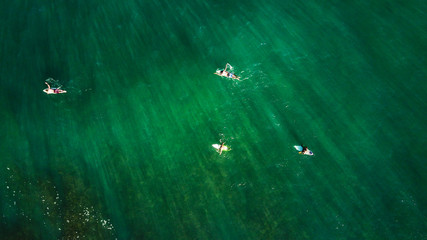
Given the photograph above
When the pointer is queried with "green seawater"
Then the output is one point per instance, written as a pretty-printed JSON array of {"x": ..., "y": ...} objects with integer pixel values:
[{"x": 127, "y": 152}]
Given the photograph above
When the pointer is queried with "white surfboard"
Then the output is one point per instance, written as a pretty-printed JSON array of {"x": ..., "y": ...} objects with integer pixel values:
[
  {"x": 299, "y": 149},
  {"x": 217, "y": 146}
]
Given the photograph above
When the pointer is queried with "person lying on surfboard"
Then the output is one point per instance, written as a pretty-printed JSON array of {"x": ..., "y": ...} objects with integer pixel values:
[
  {"x": 221, "y": 147},
  {"x": 224, "y": 73},
  {"x": 49, "y": 90},
  {"x": 304, "y": 150}
]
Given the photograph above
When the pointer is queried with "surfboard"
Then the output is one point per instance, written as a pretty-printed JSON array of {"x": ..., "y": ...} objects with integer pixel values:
[
  {"x": 299, "y": 149},
  {"x": 217, "y": 146}
]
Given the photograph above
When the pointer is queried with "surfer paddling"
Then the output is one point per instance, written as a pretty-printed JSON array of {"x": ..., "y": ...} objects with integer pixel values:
[
  {"x": 225, "y": 73},
  {"x": 49, "y": 90},
  {"x": 304, "y": 150},
  {"x": 220, "y": 147}
]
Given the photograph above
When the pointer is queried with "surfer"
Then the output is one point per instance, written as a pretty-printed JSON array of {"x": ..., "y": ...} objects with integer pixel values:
[
  {"x": 49, "y": 90},
  {"x": 220, "y": 147},
  {"x": 304, "y": 150},
  {"x": 224, "y": 73}
]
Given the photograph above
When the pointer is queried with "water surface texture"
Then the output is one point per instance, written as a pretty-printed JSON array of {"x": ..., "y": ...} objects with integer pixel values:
[{"x": 127, "y": 152}]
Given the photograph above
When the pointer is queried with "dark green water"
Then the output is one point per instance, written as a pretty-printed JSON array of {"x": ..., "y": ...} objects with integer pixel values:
[{"x": 127, "y": 154}]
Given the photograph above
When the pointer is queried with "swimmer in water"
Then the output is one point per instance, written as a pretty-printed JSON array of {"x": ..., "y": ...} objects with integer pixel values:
[{"x": 49, "y": 90}]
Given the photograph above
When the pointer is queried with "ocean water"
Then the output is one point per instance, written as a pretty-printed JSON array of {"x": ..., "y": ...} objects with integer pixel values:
[{"x": 126, "y": 153}]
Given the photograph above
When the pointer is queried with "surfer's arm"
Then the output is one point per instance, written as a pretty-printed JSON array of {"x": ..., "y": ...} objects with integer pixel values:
[{"x": 47, "y": 85}]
